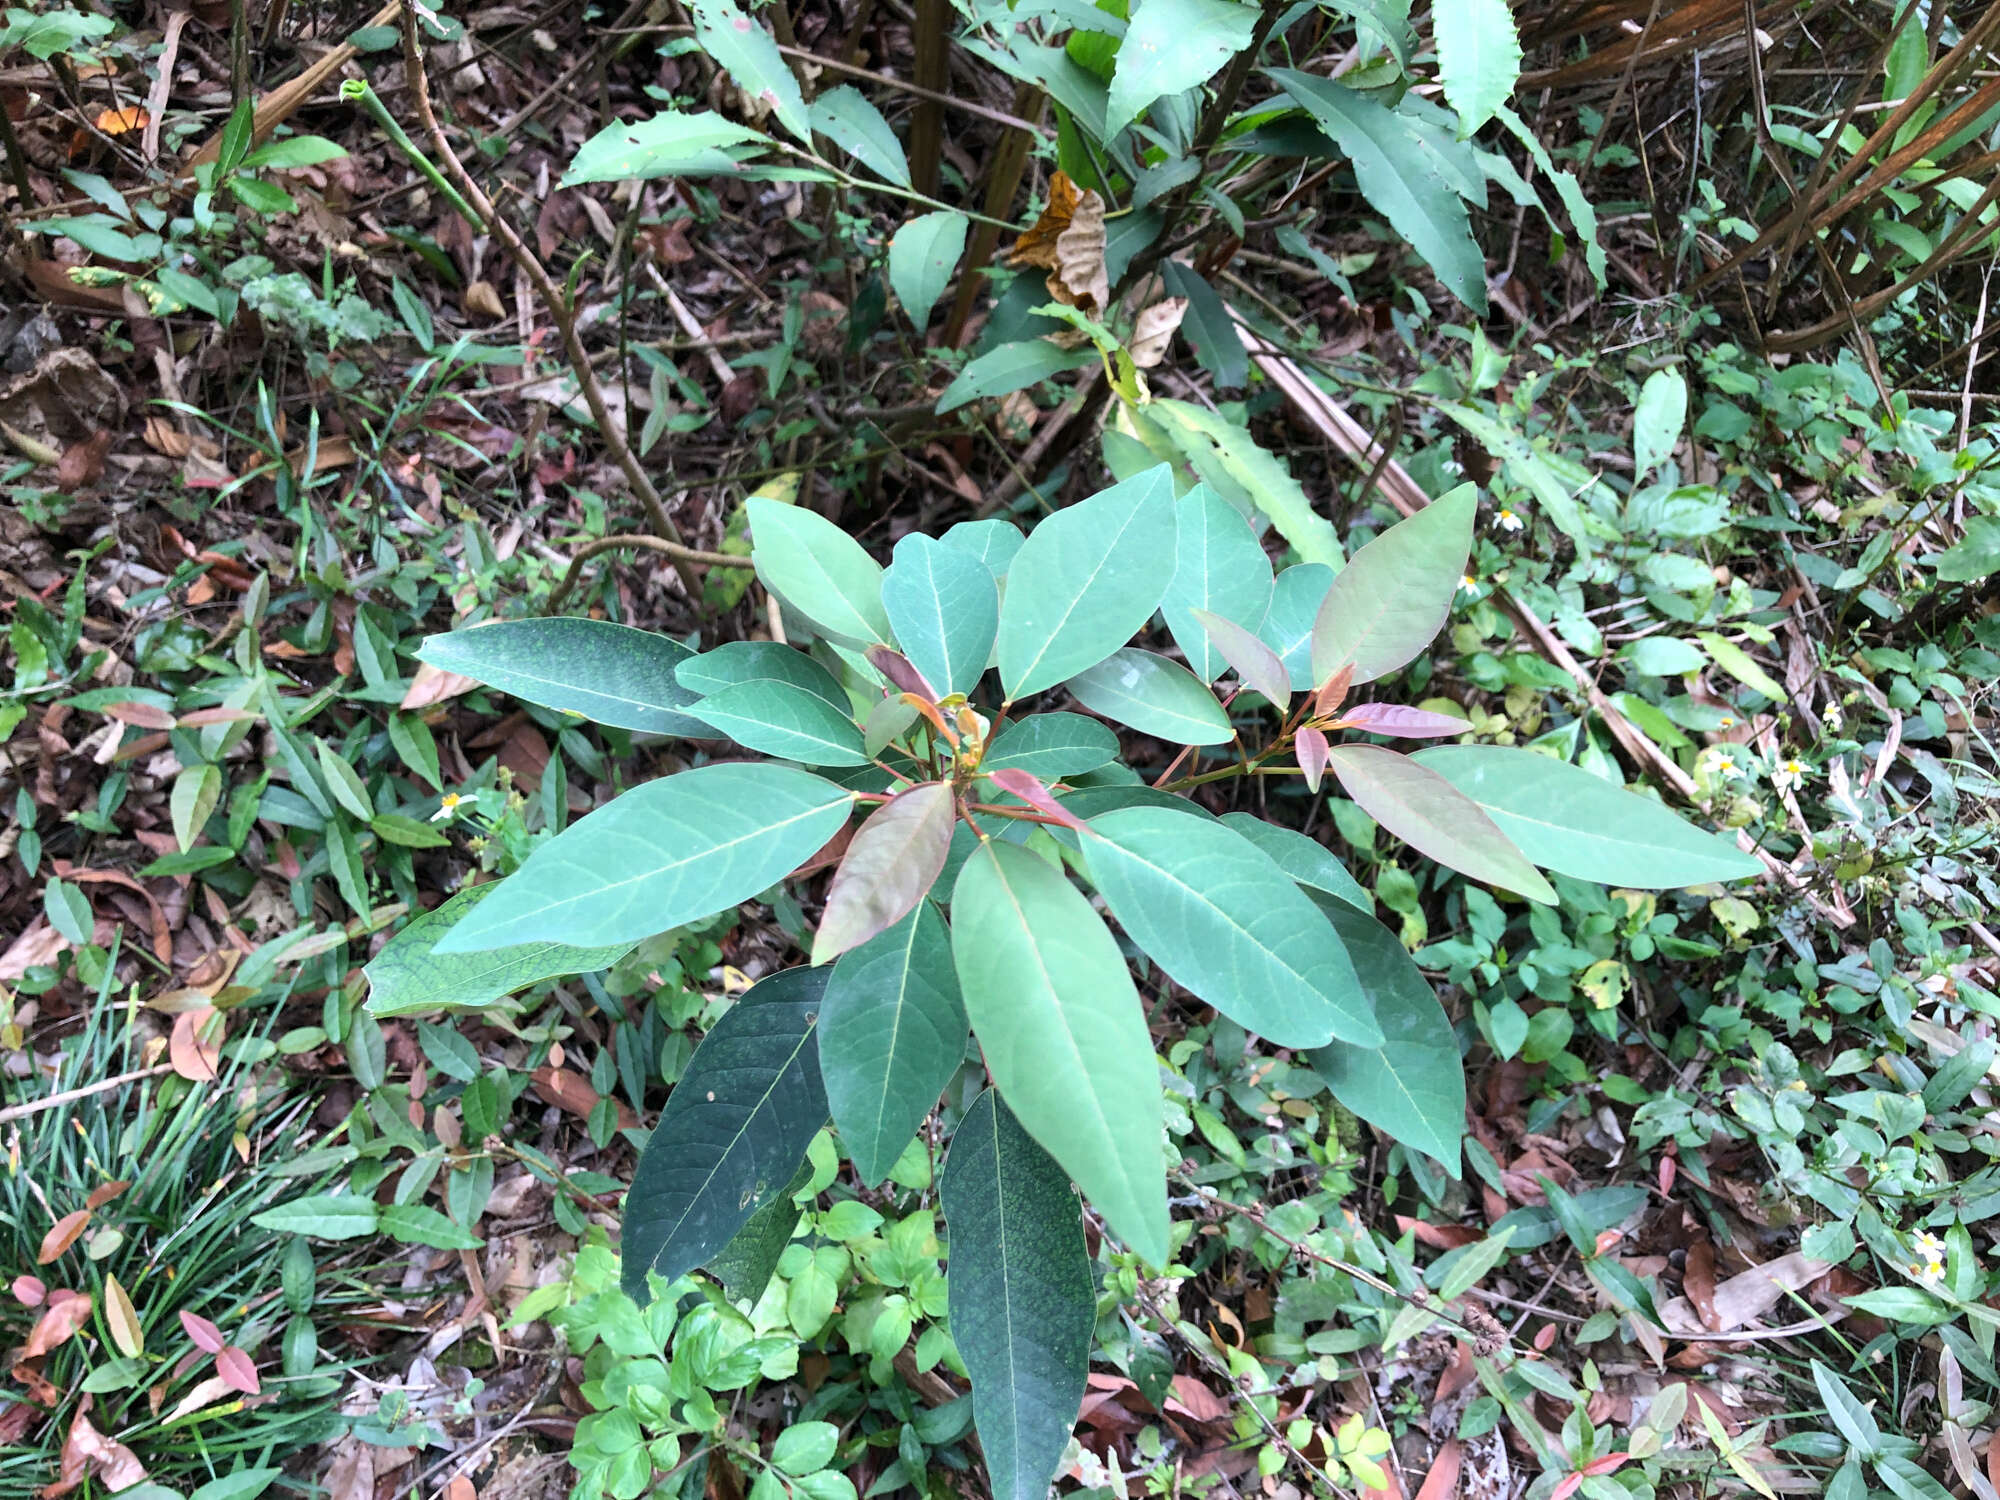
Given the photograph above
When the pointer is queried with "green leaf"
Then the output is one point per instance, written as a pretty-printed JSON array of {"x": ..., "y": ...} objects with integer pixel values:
[
  {"x": 670, "y": 144},
  {"x": 1223, "y": 920},
  {"x": 1085, "y": 581},
  {"x": 417, "y": 1224},
  {"x": 923, "y": 256},
  {"x": 1304, "y": 859},
  {"x": 1023, "y": 1307},
  {"x": 759, "y": 661},
  {"x": 1154, "y": 696},
  {"x": 745, "y": 49},
  {"x": 1220, "y": 567},
  {"x": 662, "y": 855},
  {"x": 805, "y": 1447},
  {"x": 1412, "y": 1087},
  {"x": 343, "y": 781},
  {"x": 1170, "y": 47},
  {"x": 746, "y": 1264},
  {"x": 196, "y": 791},
  {"x": 1390, "y": 602},
  {"x": 1739, "y": 664},
  {"x": 993, "y": 542},
  {"x": 294, "y": 151},
  {"x": 782, "y": 720},
  {"x": 1848, "y": 1414},
  {"x": 1664, "y": 656},
  {"x": 1207, "y": 325},
  {"x": 1657, "y": 420},
  {"x": 819, "y": 570},
  {"x": 1011, "y": 367},
  {"x": 409, "y": 977},
  {"x": 395, "y": 828},
  {"x": 1479, "y": 57},
  {"x": 1064, "y": 1036},
  {"x": 944, "y": 607},
  {"x": 330, "y": 1216},
  {"x": 1288, "y": 624},
  {"x": 844, "y": 116},
  {"x": 608, "y": 673},
  {"x": 1582, "y": 212},
  {"x": 889, "y": 867},
  {"x": 1227, "y": 457},
  {"x": 1397, "y": 178},
  {"x": 1432, "y": 816},
  {"x": 1051, "y": 746},
  {"x": 1564, "y": 818},
  {"x": 1530, "y": 469},
  {"x": 1975, "y": 557},
  {"x": 734, "y": 1130},
  {"x": 238, "y": 1484},
  {"x": 1256, "y": 665},
  {"x": 892, "y": 1033}
]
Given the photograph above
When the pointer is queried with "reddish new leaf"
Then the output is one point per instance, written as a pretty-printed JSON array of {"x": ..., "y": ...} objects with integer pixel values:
[
  {"x": 237, "y": 1370},
  {"x": 1401, "y": 722},
  {"x": 207, "y": 1337},
  {"x": 900, "y": 670},
  {"x": 1029, "y": 788},
  {"x": 894, "y": 859},
  {"x": 1255, "y": 663},
  {"x": 1311, "y": 748},
  {"x": 29, "y": 1291}
]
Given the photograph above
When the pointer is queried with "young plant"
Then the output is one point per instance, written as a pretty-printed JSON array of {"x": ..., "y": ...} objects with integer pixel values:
[{"x": 965, "y": 820}]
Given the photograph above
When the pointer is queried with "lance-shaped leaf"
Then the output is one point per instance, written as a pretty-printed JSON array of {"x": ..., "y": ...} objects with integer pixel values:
[
  {"x": 1394, "y": 596},
  {"x": 1256, "y": 665},
  {"x": 1566, "y": 819},
  {"x": 891, "y": 1034},
  {"x": 1305, "y": 859},
  {"x": 734, "y": 1130},
  {"x": 1413, "y": 1085},
  {"x": 844, "y": 116},
  {"x": 1065, "y": 1038},
  {"x": 1220, "y": 568},
  {"x": 818, "y": 569},
  {"x": 1028, "y": 787},
  {"x": 1399, "y": 721},
  {"x": 923, "y": 256},
  {"x": 746, "y": 1264},
  {"x": 1023, "y": 1307},
  {"x": 409, "y": 976},
  {"x": 1218, "y": 914},
  {"x": 944, "y": 606},
  {"x": 610, "y": 674},
  {"x": 1154, "y": 696},
  {"x": 784, "y": 721},
  {"x": 759, "y": 661},
  {"x": 889, "y": 867},
  {"x": 1435, "y": 818},
  {"x": 1311, "y": 748},
  {"x": 743, "y": 47},
  {"x": 1085, "y": 581},
  {"x": 1052, "y": 746},
  {"x": 673, "y": 143},
  {"x": 663, "y": 854}
]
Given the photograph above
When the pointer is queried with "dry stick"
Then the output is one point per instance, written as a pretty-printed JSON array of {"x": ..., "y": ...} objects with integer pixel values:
[
  {"x": 70, "y": 1096},
  {"x": 559, "y": 309},
  {"x": 933, "y": 77},
  {"x": 1010, "y": 162},
  {"x": 674, "y": 550}
]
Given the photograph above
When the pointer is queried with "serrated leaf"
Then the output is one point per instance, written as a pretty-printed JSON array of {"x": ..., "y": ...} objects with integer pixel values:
[
  {"x": 1085, "y": 581},
  {"x": 944, "y": 606},
  {"x": 408, "y": 977},
  {"x": 844, "y": 116},
  {"x": 1479, "y": 57},
  {"x": 892, "y": 1033},
  {"x": 1227, "y": 457},
  {"x": 1011, "y": 367},
  {"x": 1207, "y": 325},
  {"x": 1065, "y": 1039},
  {"x": 1657, "y": 421},
  {"x": 1256, "y": 665},
  {"x": 1530, "y": 469},
  {"x": 1304, "y": 859},
  {"x": 819, "y": 570},
  {"x": 607, "y": 673},
  {"x": 1397, "y": 178},
  {"x": 1434, "y": 817},
  {"x": 889, "y": 867},
  {"x": 745, "y": 50},
  {"x": 1051, "y": 746},
  {"x": 733, "y": 1133},
  {"x": 1220, "y": 567},
  {"x": 1170, "y": 47},
  {"x": 1412, "y": 1086},
  {"x": 1224, "y": 921},
  {"x": 1395, "y": 595},
  {"x": 1023, "y": 1309},
  {"x": 196, "y": 791},
  {"x": 782, "y": 720},
  {"x": 1153, "y": 695},
  {"x": 1582, "y": 212},
  {"x": 663, "y": 854},
  {"x": 1564, "y": 818},
  {"x": 673, "y": 143},
  {"x": 923, "y": 257}
]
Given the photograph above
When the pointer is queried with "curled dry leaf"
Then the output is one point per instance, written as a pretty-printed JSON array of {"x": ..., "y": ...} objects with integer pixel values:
[
  {"x": 89, "y": 1454},
  {"x": 67, "y": 1311},
  {"x": 193, "y": 1057},
  {"x": 1067, "y": 241},
  {"x": 1154, "y": 330}
]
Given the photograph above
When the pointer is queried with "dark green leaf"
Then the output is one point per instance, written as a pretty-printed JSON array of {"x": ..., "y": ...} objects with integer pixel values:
[
  {"x": 408, "y": 977},
  {"x": 1011, "y": 367},
  {"x": 745, "y": 1265},
  {"x": 1207, "y": 325},
  {"x": 612, "y": 674},
  {"x": 944, "y": 606},
  {"x": 418, "y": 1224}
]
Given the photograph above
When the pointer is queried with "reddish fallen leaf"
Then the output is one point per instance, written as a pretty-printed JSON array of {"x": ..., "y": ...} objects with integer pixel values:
[
  {"x": 1442, "y": 1481},
  {"x": 1194, "y": 1400},
  {"x": 17, "y": 1418},
  {"x": 433, "y": 685},
  {"x": 193, "y": 1057},
  {"x": 1545, "y": 1336},
  {"x": 82, "y": 463},
  {"x": 61, "y": 1236},
  {"x": 67, "y": 1311},
  {"x": 207, "y": 1337},
  {"x": 460, "y": 1488},
  {"x": 29, "y": 1291},
  {"x": 88, "y": 1453},
  {"x": 1669, "y": 1170},
  {"x": 237, "y": 1370},
  {"x": 1698, "y": 1281},
  {"x": 104, "y": 1192},
  {"x": 143, "y": 715},
  {"x": 572, "y": 1093},
  {"x": 1439, "y": 1236}
]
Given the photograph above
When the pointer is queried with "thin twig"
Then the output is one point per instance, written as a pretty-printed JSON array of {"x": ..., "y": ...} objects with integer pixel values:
[
  {"x": 70, "y": 1096},
  {"x": 675, "y": 550}
]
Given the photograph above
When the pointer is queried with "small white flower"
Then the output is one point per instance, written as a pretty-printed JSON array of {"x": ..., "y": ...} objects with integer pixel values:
[
  {"x": 1929, "y": 1252},
  {"x": 1832, "y": 716},
  {"x": 1505, "y": 520},
  {"x": 1728, "y": 721},
  {"x": 1728, "y": 767},
  {"x": 1467, "y": 584},
  {"x": 1791, "y": 774},
  {"x": 447, "y": 808}
]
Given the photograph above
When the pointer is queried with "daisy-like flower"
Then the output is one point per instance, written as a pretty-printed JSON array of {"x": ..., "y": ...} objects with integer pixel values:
[
  {"x": 447, "y": 808},
  {"x": 1831, "y": 715},
  {"x": 1791, "y": 774},
  {"x": 1927, "y": 1263},
  {"x": 1505, "y": 520},
  {"x": 1467, "y": 584},
  {"x": 1728, "y": 721},
  {"x": 1728, "y": 767}
]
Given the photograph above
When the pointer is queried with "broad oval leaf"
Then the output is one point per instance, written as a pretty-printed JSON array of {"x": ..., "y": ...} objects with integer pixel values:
[
  {"x": 1434, "y": 817},
  {"x": 410, "y": 977},
  {"x": 944, "y": 607},
  {"x": 759, "y": 661},
  {"x": 1155, "y": 696},
  {"x": 1256, "y": 665},
  {"x": 745, "y": 49},
  {"x": 608, "y": 673},
  {"x": 1288, "y": 624},
  {"x": 1064, "y": 1036},
  {"x": 673, "y": 143},
  {"x": 993, "y": 542},
  {"x": 663, "y": 854},
  {"x": 1220, "y": 568},
  {"x": 923, "y": 257},
  {"x": 732, "y": 1134},
  {"x": 889, "y": 867},
  {"x": 1479, "y": 57},
  {"x": 1222, "y": 919},
  {"x": 782, "y": 720},
  {"x": 1051, "y": 746},
  {"x": 1173, "y": 46},
  {"x": 1657, "y": 421},
  {"x": 818, "y": 569},
  {"x": 844, "y": 116},
  {"x": 1413, "y": 1085},
  {"x": 1302, "y": 857},
  {"x": 1022, "y": 1301},
  {"x": 891, "y": 1034},
  {"x": 1564, "y": 818},
  {"x": 1395, "y": 595},
  {"x": 1085, "y": 581},
  {"x": 1011, "y": 367}
]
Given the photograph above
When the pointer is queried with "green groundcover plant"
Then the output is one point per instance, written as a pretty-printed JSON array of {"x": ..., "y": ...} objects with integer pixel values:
[{"x": 957, "y": 907}]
